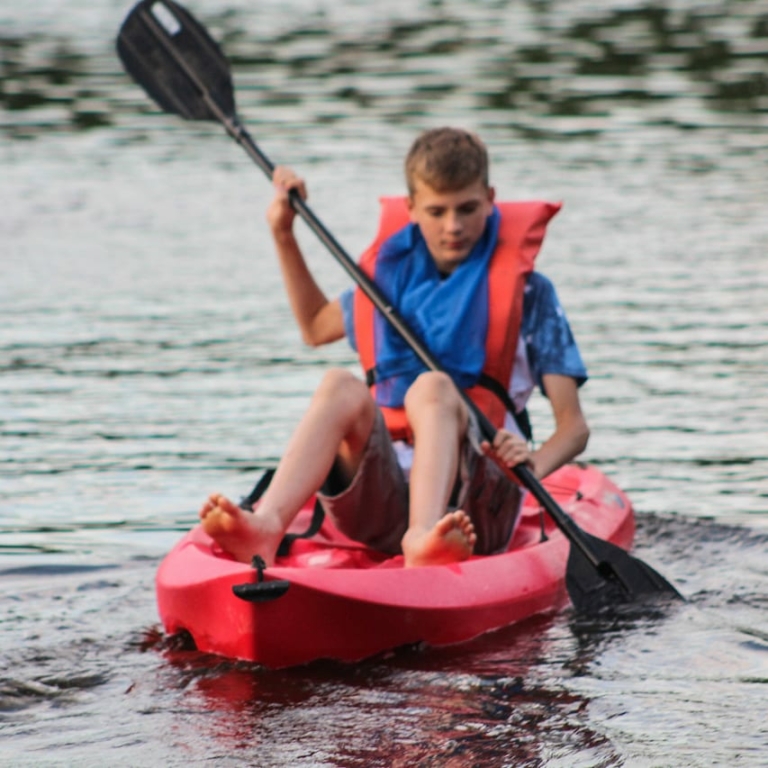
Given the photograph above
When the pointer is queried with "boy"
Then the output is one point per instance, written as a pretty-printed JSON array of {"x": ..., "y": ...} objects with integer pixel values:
[{"x": 436, "y": 272}]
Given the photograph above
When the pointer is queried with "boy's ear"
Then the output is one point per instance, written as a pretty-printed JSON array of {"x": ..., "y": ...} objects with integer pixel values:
[
  {"x": 491, "y": 194},
  {"x": 409, "y": 202}
]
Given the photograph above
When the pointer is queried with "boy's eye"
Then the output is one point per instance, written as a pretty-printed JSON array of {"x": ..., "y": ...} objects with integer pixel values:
[{"x": 464, "y": 210}]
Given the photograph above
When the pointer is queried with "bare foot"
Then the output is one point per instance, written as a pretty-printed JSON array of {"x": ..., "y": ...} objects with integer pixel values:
[
  {"x": 451, "y": 540},
  {"x": 242, "y": 534}
]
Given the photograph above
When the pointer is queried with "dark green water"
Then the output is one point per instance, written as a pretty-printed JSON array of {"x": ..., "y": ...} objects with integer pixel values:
[{"x": 148, "y": 357}]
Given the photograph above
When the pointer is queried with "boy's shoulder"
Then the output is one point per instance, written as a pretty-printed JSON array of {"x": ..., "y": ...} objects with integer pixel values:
[
  {"x": 539, "y": 288},
  {"x": 541, "y": 304}
]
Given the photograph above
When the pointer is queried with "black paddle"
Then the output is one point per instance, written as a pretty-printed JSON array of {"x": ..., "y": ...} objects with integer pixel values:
[{"x": 178, "y": 64}]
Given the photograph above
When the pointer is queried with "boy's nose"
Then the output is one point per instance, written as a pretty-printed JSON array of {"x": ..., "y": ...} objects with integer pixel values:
[{"x": 453, "y": 222}]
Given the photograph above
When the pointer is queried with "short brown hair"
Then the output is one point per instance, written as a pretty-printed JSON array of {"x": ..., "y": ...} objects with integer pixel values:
[{"x": 446, "y": 159}]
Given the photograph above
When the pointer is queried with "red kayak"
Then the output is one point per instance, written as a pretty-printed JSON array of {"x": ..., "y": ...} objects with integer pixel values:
[{"x": 333, "y": 598}]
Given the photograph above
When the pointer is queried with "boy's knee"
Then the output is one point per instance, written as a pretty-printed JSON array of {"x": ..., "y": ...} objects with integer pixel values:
[
  {"x": 433, "y": 387},
  {"x": 344, "y": 386}
]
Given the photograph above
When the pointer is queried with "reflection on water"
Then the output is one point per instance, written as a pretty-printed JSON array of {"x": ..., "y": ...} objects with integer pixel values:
[
  {"x": 681, "y": 65},
  {"x": 494, "y": 702}
]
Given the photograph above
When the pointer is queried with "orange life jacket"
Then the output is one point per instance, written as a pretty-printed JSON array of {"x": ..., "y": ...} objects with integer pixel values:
[{"x": 521, "y": 232}]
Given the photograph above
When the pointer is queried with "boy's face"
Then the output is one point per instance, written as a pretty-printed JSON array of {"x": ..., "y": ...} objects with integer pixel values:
[{"x": 451, "y": 222}]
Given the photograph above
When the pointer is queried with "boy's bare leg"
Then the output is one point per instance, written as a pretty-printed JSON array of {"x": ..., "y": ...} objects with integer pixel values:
[
  {"x": 439, "y": 419},
  {"x": 336, "y": 426}
]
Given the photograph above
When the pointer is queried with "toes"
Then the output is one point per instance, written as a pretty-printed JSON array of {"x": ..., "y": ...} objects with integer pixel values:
[
  {"x": 228, "y": 506},
  {"x": 211, "y": 503},
  {"x": 463, "y": 520},
  {"x": 449, "y": 522},
  {"x": 219, "y": 508},
  {"x": 206, "y": 510}
]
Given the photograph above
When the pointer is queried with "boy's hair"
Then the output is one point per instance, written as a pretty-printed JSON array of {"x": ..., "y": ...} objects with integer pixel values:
[{"x": 446, "y": 159}]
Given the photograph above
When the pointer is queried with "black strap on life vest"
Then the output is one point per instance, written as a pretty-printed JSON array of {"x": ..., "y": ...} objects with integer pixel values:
[
  {"x": 318, "y": 514},
  {"x": 371, "y": 376},
  {"x": 522, "y": 419}
]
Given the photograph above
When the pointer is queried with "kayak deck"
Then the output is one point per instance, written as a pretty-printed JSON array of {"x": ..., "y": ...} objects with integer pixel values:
[{"x": 334, "y": 598}]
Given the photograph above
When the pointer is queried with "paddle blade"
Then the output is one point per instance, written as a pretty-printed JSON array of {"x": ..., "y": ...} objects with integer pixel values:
[
  {"x": 619, "y": 578},
  {"x": 173, "y": 58}
]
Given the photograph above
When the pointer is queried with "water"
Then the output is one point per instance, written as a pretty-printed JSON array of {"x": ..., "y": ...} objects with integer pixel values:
[{"x": 147, "y": 357}]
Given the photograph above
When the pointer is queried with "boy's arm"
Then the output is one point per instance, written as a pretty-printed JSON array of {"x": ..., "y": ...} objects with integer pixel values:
[
  {"x": 320, "y": 321},
  {"x": 571, "y": 430}
]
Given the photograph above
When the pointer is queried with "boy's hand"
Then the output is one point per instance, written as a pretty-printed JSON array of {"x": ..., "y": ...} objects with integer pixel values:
[
  {"x": 280, "y": 214},
  {"x": 508, "y": 449}
]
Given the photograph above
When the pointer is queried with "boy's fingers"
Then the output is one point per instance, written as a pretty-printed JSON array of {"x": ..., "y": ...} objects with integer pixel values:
[
  {"x": 506, "y": 450},
  {"x": 285, "y": 180},
  {"x": 298, "y": 185}
]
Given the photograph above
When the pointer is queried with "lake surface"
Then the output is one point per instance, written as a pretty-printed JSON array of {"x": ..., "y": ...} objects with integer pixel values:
[{"x": 148, "y": 357}]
